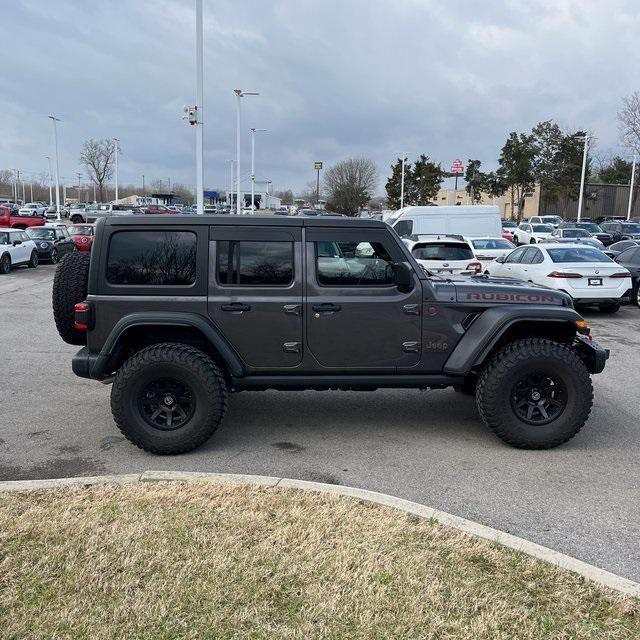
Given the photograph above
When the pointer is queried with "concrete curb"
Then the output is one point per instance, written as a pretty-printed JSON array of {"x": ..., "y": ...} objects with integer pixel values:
[{"x": 588, "y": 571}]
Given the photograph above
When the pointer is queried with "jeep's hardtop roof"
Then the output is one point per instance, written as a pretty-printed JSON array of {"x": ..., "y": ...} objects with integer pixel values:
[{"x": 240, "y": 221}]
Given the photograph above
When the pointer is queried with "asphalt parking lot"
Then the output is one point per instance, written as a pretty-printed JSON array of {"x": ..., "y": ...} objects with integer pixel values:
[{"x": 581, "y": 499}]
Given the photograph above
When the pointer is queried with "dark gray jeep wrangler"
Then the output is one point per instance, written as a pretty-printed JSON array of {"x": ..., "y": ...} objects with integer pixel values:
[{"x": 179, "y": 311}]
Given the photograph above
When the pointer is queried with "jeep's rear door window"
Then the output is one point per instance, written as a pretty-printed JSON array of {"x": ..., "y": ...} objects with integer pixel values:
[
  {"x": 250, "y": 263},
  {"x": 152, "y": 258},
  {"x": 353, "y": 264}
]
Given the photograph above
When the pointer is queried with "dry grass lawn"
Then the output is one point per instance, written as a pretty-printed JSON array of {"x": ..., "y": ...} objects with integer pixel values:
[{"x": 209, "y": 561}]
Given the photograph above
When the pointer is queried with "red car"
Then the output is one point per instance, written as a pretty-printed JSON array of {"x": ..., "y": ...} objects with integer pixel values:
[
  {"x": 82, "y": 235},
  {"x": 14, "y": 221},
  {"x": 507, "y": 235}
]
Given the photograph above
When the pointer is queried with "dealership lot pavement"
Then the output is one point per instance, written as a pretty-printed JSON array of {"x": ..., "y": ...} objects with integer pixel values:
[{"x": 581, "y": 499}]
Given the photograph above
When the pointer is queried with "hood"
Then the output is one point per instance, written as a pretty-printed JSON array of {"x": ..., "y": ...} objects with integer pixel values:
[{"x": 491, "y": 291}]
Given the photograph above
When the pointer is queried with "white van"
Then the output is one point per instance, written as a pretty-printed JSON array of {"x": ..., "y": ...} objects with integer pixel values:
[{"x": 468, "y": 221}]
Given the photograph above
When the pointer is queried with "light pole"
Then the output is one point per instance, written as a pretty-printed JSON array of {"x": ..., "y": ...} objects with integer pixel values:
[
  {"x": 239, "y": 95},
  {"x": 402, "y": 182},
  {"x": 231, "y": 163},
  {"x": 31, "y": 190},
  {"x": 144, "y": 191},
  {"x": 633, "y": 179},
  {"x": 253, "y": 166},
  {"x": 50, "y": 193},
  {"x": 199, "y": 111},
  {"x": 117, "y": 141},
  {"x": 582, "y": 176},
  {"x": 79, "y": 194},
  {"x": 55, "y": 137}
]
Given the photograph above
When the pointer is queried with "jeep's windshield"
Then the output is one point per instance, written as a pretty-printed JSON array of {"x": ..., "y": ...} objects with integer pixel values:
[{"x": 575, "y": 254}]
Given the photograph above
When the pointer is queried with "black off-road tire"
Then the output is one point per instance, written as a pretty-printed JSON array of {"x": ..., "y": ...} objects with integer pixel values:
[
  {"x": 5, "y": 264},
  {"x": 33, "y": 262},
  {"x": 69, "y": 288},
  {"x": 187, "y": 364},
  {"x": 506, "y": 367},
  {"x": 612, "y": 307}
]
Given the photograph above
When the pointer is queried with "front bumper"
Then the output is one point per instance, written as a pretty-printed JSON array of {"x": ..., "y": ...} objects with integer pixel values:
[{"x": 591, "y": 353}]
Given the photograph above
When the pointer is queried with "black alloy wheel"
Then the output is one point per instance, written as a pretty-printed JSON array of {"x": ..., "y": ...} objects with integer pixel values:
[
  {"x": 538, "y": 398},
  {"x": 166, "y": 403}
]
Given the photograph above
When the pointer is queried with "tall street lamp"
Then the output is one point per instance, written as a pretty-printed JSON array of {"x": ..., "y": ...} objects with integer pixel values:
[
  {"x": 239, "y": 94},
  {"x": 404, "y": 157},
  {"x": 253, "y": 167},
  {"x": 55, "y": 137},
  {"x": 117, "y": 141},
  {"x": 631, "y": 185},
  {"x": 582, "y": 176},
  {"x": 231, "y": 163},
  {"x": 199, "y": 109},
  {"x": 50, "y": 193}
]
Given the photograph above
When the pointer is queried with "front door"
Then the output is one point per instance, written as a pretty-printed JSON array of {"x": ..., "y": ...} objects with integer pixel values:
[
  {"x": 356, "y": 318},
  {"x": 255, "y": 293}
]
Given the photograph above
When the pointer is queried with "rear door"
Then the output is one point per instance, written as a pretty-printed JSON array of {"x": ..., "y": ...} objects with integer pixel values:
[
  {"x": 356, "y": 318},
  {"x": 255, "y": 292}
]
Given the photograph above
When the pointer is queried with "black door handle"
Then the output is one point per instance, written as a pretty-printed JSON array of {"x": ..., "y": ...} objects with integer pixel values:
[
  {"x": 237, "y": 307},
  {"x": 326, "y": 307}
]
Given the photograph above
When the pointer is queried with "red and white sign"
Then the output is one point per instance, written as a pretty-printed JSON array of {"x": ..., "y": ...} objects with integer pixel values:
[{"x": 456, "y": 166}]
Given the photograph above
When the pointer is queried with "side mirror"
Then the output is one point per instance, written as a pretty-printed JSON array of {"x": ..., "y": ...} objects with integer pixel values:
[
  {"x": 500, "y": 259},
  {"x": 403, "y": 276},
  {"x": 17, "y": 242}
]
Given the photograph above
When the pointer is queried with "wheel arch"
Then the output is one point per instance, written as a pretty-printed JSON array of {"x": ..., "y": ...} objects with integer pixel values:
[
  {"x": 139, "y": 330},
  {"x": 500, "y": 325}
]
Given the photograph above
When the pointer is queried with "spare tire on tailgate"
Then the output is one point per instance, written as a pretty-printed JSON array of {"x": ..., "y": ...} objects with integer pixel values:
[{"x": 69, "y": 288}]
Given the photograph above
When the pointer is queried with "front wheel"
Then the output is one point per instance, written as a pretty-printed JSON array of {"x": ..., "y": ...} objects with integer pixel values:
[
  {"x": 54, "y": 256},
  {"x": 535, "y": 394},
  {"x": 168, "y": 398},
  {"x": 636, "y": 294},
  {"x": 5, "y": 265},
  {"x": 533, "y": 241},
  {"x": 33, "y": 262}
]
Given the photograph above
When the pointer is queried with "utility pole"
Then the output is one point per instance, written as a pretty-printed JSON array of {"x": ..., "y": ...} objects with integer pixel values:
[
  {"x": 144, "y": 191},
  {"x": 24, "y": 197},
  {"x": 582, "y": 176},
  {"x": 117, "y": 152},
  {"x": 631, "y": 186},
  {"x": 31, "y": 190},
  {"x": 50, "y": 193},
  {"x": 55, "y": 137}
]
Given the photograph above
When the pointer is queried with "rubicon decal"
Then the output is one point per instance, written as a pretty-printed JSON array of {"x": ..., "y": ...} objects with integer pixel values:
[{"x": 541, "y": 298}]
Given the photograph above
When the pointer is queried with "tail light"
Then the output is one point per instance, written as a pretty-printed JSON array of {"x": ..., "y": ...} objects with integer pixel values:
[
  {"x": 474, "y": 266},
  {"x": 620, "y": 274},
  {"x": 82, "y": 316},
  {"x": 563, "y": 274}
]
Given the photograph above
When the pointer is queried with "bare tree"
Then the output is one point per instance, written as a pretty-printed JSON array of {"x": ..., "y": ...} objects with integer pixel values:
[
  {"x": 98, "y": 156},
  {"x": 350, "y": 184},
  {"x": 629, "y": 121}
]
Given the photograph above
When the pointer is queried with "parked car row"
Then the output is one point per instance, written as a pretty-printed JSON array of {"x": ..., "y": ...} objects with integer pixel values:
[{"x": 44, "y": 243}]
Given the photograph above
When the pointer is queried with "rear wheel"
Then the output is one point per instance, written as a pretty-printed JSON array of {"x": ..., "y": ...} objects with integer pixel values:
[
  {"x": 533, "y": 241},
  {"x": 33, "y": 262},
  {"x": 636, "y": 294},
  {"x": 515, "y": 240},
  {"x": 535, "y": 394},
  {"x": 5, "y": 264},
  {"x": 169, "y": 398}
]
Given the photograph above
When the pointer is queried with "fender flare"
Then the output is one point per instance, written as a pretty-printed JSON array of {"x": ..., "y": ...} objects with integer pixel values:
[
  {"x": 210, "y": 331},
  {"x": 491, "y": 325}
]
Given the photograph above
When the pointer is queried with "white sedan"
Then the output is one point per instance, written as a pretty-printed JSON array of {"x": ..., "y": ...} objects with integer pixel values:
[
  {"x": 585, "y": 273},
  {"x": 528, "y": 233},
  {"x": 32, "y": 209},
  {"x": 488, "y": 249},
  {"x": 16, "y": 248}
]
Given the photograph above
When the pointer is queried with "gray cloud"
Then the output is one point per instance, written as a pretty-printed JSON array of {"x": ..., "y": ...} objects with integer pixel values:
[{"x": 337, "y": 78}]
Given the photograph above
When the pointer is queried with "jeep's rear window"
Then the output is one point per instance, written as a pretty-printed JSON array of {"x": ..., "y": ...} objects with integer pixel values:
[
  {"x": 165, "y": 258},
  {"x": 442, "y": 251},
  {"x": 246, "y": 263}
]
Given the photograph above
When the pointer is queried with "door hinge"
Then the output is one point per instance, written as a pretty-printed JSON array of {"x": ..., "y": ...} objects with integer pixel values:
[
  {"x": 411, "y": 309},
  {"x": 411, "y": 347},
  {"x": 291, "y": 347},
  {"x": 293, "y": 309}
]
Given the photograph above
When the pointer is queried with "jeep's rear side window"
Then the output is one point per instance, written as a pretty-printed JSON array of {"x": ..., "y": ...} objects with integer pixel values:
[
  {"x": 243, "y": 262},
  {"x": 354, "y": 264},
  {"x": 152, "y": 258}
]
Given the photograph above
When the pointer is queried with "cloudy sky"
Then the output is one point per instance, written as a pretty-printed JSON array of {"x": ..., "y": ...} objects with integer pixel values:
[{"x": 337, "y": 78}]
